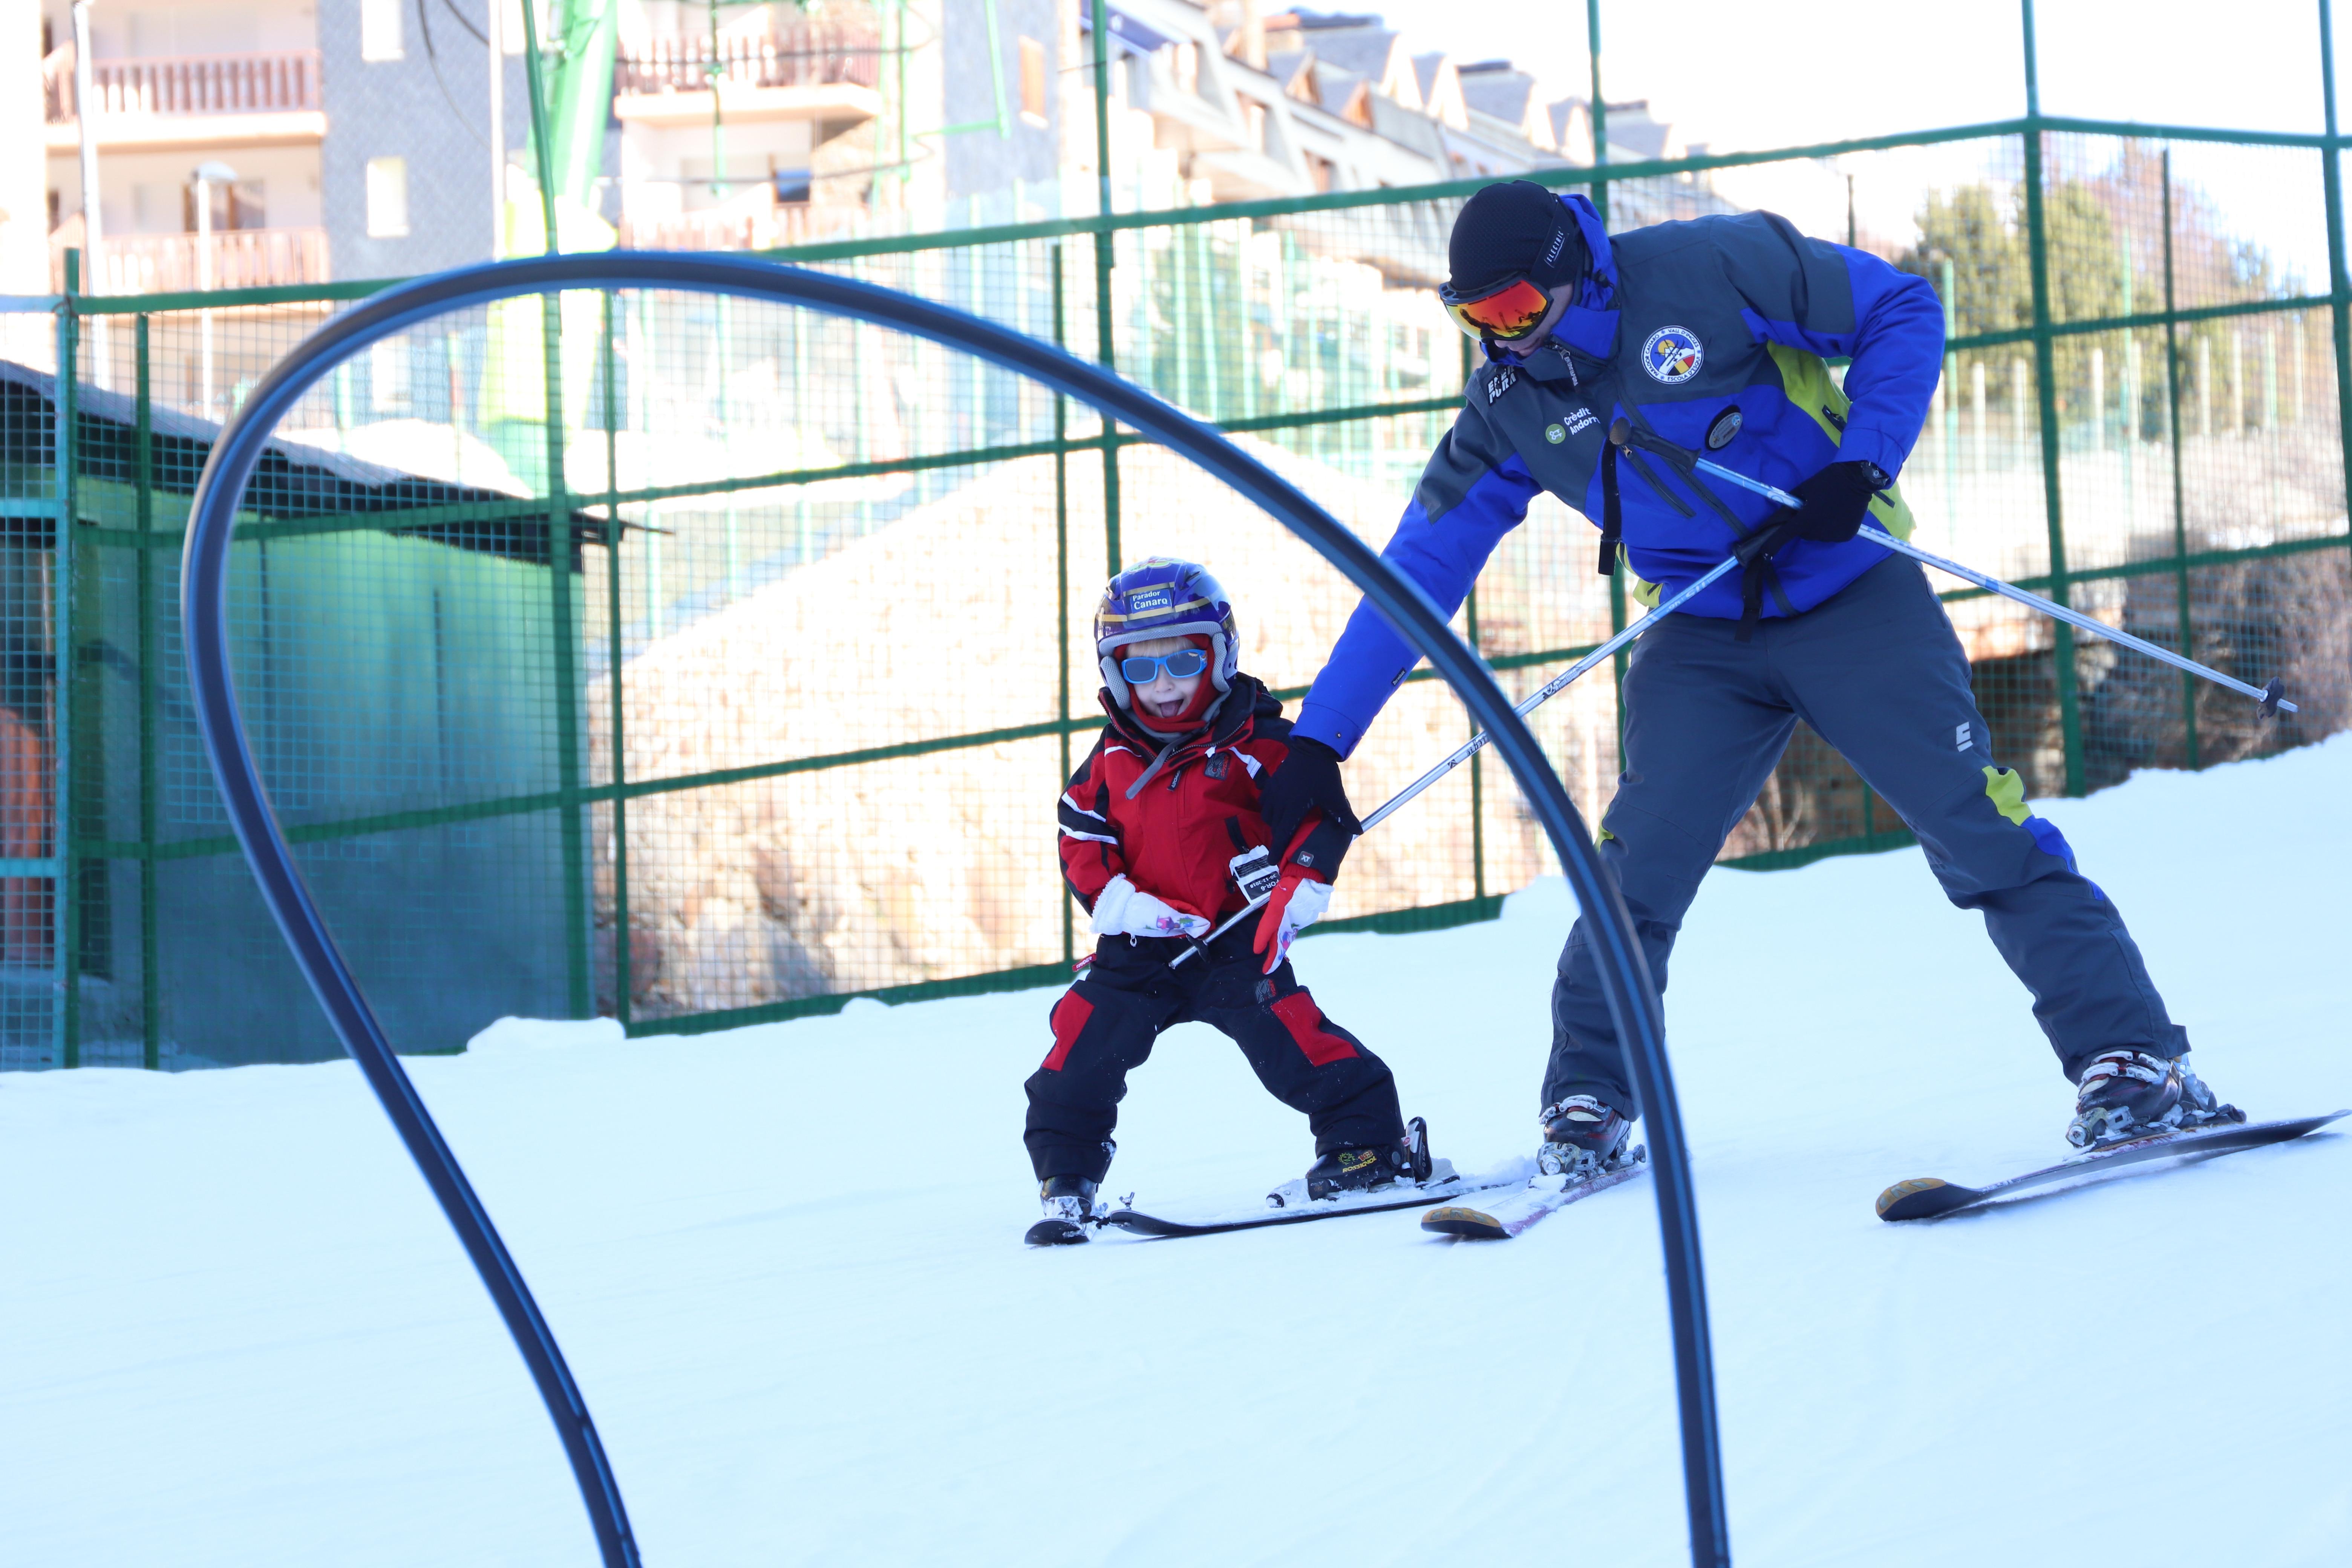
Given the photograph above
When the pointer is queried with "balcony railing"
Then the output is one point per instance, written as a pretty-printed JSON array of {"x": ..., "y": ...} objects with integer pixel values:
[
  {"x": 815, "y": 57},
  {"x": 720, "y": 230},
  {"x": 187, "y": 84},
  {"x": 167, "y": 263}
]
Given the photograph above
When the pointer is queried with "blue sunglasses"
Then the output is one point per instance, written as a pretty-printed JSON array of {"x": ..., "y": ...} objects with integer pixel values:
[{"x": 1142, "y": 670}]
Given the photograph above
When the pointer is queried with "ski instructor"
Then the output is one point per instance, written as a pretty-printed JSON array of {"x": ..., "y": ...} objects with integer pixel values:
[{"x": 1709, "y": 336}]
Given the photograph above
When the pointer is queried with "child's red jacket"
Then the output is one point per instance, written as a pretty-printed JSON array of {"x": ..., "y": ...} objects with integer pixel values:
[{"x": 1177, "y": 836}]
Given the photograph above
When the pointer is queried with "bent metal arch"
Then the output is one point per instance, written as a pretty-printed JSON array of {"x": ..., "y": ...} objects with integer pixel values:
[{"x": 1632, "y": 997}]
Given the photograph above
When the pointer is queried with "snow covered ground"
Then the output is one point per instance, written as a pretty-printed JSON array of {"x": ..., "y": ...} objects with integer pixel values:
[{"x": 786, "y": 1263}]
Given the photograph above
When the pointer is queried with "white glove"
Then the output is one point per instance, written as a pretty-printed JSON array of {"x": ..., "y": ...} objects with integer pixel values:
[{"x": 1124, "y": 909}]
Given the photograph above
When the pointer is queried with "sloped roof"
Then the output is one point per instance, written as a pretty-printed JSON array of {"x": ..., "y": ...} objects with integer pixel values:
[
  {"x": 1344, "y": 93},
  {"x": 1363, "y": 46},
  {"x": 1493, "y": 86},
  {"x": 1405, "y": 127},
  {"x": 1631, "y": 127},
  {"x": 1297, "y": 71},
  {"x": 292, "y": 480}
]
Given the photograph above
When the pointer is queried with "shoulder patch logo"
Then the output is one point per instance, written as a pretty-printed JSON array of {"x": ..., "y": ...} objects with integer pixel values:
[
  {"x": 1719, "y": 433},
  {"x": 1673, "y": 354},
  {"x": 1578, "y": 418},
  {"x": 1501, "y": 382},
  {"x": 1554, "y": 434}
]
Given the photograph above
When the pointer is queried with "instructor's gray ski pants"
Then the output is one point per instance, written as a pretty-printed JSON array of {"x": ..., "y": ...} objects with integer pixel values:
[{"x": 1877, "y": 672}]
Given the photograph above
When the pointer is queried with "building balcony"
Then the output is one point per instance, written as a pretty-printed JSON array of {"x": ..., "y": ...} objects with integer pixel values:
[
  {"x": 822, "y": 72},
  {"x": 252, "y": 100},
  {"x": 724, "y": 229},
  {"x": 172, "y": 263}
]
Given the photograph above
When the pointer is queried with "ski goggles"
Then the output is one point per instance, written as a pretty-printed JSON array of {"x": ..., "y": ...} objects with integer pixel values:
[
  {"x": 1143, "y": 669},
  {"x": 1506, "y": 313}
]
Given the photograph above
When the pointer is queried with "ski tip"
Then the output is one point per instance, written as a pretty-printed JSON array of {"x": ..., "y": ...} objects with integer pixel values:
[
  {"x": 1055, "y": 1233},
  {"x": 1469, "y": 1224},
  {"x": 1922, "y": 1197}
]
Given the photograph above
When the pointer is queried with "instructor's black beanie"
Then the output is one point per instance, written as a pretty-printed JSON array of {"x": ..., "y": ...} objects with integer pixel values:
[{"x": 1519, "y": 227}]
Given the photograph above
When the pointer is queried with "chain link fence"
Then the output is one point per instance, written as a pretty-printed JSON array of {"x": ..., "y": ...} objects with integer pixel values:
[{"x": 698, "y": 662}]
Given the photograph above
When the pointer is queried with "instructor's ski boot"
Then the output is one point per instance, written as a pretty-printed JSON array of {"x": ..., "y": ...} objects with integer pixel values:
[
  {"x": 2126, "y": 1093},
  {"x": 1069, "y": 1202},
  {"x": 1361, "y": 1169},
  {"x": 1583, "y": 1138}
]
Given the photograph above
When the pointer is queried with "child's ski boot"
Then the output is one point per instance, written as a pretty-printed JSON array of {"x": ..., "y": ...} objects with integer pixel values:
[
  {"x": 1069, "y": 1202},
  {"x": 1361, "y": 1169}
]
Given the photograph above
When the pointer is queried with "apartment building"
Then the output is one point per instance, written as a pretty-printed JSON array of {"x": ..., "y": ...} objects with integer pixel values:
[
  {"x": 371, "y": 138},
  {"x": 341, "y": 137}
]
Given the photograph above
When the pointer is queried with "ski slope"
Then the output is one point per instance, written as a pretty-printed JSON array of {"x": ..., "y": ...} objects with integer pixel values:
[{"x": 786, "y": 1263}]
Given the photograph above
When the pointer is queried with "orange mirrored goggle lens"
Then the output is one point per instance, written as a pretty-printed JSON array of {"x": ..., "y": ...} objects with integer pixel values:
[{"x": 1509, "y": 312}]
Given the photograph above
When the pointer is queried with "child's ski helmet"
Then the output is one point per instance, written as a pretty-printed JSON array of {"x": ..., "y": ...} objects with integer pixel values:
[{"x": 1163, "y": 598}]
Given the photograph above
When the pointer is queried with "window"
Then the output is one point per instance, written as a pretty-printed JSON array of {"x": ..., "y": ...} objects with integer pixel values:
[
  {"x": 387, "y": 197},
  {"x": 380, "y": 29},
  {"x": 1033, "y": 81},
  {"x": 1323, "y": 172},
  {"x": 1185, "y": 67}
]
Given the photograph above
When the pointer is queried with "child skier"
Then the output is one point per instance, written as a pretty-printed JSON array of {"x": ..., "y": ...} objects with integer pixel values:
[{"x": 1161, "y": 840}]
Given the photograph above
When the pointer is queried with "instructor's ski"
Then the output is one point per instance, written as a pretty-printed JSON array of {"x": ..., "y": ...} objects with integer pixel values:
[
  {"x": 1506, "y": 1217},
  {"x": 1926, "y": 1197},
  {"x": 1443, "y": 1182}
]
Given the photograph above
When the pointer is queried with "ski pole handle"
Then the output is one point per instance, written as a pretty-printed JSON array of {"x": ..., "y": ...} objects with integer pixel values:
[{"x": 2268, "y": 696}]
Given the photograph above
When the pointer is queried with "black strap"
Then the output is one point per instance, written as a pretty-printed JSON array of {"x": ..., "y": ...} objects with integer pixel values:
[
  {"x": 1613, "y": 512},
  {"x": 1752, "y": 595},
  {"x": 1761, "y": 574}
]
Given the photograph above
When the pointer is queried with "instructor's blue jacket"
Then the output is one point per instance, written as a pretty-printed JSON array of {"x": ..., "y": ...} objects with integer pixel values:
[{"x": 1712, "y": 333}]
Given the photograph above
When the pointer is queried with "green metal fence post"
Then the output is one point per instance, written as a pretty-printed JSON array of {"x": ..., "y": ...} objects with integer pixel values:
[
  {"x": 614, "y": 533},
  {"x": 151, "y": 1022},
  {"x": 2179, "y": 502},
  {"x": 65, "y": 1022},
  {"x": 1106, "y": 240},
  {"x": 1478, "y": 779},
  {"x": 1600, "y": 188},
  {"x": 1950, "y": 394},
  {"x": 2045, "y": 375},
  {"x": 1062, "y": 583},
  {"x": 580, "y": 988},
  {"x": 2339, "y": 281}
]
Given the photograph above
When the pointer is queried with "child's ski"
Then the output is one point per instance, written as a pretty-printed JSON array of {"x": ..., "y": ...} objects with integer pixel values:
[
  {"x": 1926, "y": 1197},
  {"x": 1382, "y": 1200},
  {"x": 1506, "y": 1217}
]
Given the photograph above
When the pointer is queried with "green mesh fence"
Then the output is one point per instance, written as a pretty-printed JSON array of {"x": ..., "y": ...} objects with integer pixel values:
[{"x": 695, "y": 662}]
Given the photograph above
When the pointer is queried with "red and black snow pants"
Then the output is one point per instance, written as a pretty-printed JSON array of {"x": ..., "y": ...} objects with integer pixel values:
[{"x": 1105, "y": 1027}]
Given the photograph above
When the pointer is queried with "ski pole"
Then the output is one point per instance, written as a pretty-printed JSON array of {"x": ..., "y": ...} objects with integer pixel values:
[
  {"x": 2268, "y": 696},
  {"x": 1535, "y": 699}
]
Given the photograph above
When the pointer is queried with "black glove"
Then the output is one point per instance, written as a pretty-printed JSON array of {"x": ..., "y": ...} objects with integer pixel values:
[
  {"x": 1308, "y": 780},
  {"x": 1837, "y": 501}
]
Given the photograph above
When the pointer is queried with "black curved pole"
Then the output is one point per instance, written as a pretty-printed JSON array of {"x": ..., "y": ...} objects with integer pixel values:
[{"x": 1632, "y": 997}]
